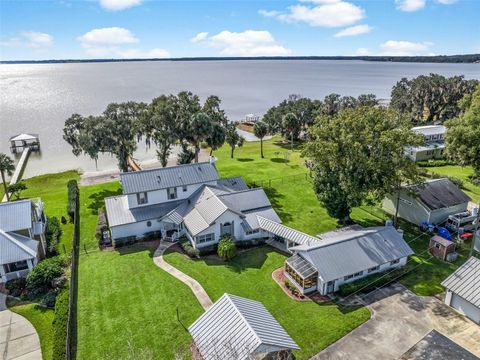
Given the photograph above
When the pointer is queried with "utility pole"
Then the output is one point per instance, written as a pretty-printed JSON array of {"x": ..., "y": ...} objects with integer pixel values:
[{"x": 475, "y": 234}]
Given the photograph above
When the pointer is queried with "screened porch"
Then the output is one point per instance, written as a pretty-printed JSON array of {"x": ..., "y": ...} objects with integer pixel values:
[{"x": 302, "y": 273}]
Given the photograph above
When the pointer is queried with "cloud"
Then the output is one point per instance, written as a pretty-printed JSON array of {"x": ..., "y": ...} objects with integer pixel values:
[
  {"x": 246, "y": 43},
  {"x": 320, "y": 13},
  {"x": 29, "y": 39},
  {"x": 362, "y": 52},
  {"x": 405, "y": 48},
  {"x": 116, "y": 5},
  {"x": 410, "y": 5},
  {"x": 112, "y": 42},
  {"x": 447, "y": 2},
  {"x": 354, "y": 31}
]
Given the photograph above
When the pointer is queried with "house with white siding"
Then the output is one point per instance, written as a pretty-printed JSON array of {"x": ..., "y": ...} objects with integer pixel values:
[
  {"x": 432, "y": 201},
  {"x": 344, "y": 256},
  {"x": 188, "y": 200},
  {"x": 22, "y": 237},
  {"x": 434, "y": 145}
]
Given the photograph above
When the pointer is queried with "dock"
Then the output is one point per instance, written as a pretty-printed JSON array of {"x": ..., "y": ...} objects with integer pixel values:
[
  {"x": 20, "y": 142},
  {"x": 133, "y": 164},
  {"x": 17, "y": 175}
]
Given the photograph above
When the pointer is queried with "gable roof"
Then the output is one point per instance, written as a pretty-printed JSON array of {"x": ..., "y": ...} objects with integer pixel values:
[
  {"x": 439, "y": 193},
  {"x": 156, "y": 179},
  {"x": 286, "y": 232},
  {"x": 16, "y": 215},
  {"x": 427, "y": 130},
  {"x": 465, "y": 281},
  {"x": 234, "y": 328},
  {"x": 16, "y": 248},
  {"x": 353, "y": 251}
]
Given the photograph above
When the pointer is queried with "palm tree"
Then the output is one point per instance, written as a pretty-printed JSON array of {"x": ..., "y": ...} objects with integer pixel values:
[
  {"x": 6, "y": 166},
  {"x": 260, "y": 130}
]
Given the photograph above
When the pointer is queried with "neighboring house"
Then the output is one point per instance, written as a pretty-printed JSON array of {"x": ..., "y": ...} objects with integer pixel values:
[
  {"x": 463, "y": 289},
  {"x": 22, "y": 237},
  {"x": 235, "y": 328},
  {"x": 188, "y": 200},
  {"x": 344, "y": 256},
  {"x": 432, "y": 201},
  {"x": 434, "y": 143}
]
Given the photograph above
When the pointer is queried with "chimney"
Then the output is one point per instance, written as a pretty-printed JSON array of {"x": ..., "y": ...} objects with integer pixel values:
[{"x": 212, "y": 160}]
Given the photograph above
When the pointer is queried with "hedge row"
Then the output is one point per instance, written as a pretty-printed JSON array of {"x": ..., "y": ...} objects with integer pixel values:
[
  {"x": 370, "y": 282},
  {"x": 434, "y": 163},
  {"x": 60, "y": 323},
  {"x": 72, "y": 198}
]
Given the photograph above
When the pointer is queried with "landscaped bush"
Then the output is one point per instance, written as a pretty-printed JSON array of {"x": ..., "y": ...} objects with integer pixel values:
[
  {"x": 128, "y": 240},
  {"x": 60, "y": 324},
  {"x": 370, "y": 282},
  {"x": 16, "y": 286},
  {"x": 101, "y": 226},
  {"x": 226, "y": 248},
  {"x": 208, "y": 250},
  {"x": 49, "y": 299},
  {"x": 188, "y": 248},
  {"x": 434, "y": 163},
  {"x": 151, "y": 235},
  {"x": 72, "y": 196},
  {"x": 246, "y": 244},
  {"x": 53, "y": 234},
  {"x": 42, "y": 277},
  {"x": 474, "y": 180}
]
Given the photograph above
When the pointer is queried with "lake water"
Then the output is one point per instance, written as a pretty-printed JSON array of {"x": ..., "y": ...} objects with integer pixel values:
[{"x": 38, "y": 98}]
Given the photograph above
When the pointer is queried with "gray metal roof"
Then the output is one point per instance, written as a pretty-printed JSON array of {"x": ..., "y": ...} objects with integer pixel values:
[
  {"x": 156, "y": 179},
  {"x": 439, "y": 193},
  {"x": 118, "y": 212},
  {"x": 465, "y": 281},
  {"x": 251, "y": 217},
  {"x": 353, "y": 251},
  {"x": 246, "y": 200},
  {"x": 286, "y": 232},
  {"x": 234, "y": 183},
  {"x": 16, "y": 215},
  {"x": 16, "y": 247},
  {"x": 430, "y": 130},
  {"x": 234, "y": 328}
]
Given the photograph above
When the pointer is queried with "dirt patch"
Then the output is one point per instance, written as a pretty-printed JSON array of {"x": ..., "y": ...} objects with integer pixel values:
[{"x": 245, "y": 127}]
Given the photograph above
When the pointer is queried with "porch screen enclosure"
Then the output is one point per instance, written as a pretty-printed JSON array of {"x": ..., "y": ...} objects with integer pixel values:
[{"x": 301, "y": 271}]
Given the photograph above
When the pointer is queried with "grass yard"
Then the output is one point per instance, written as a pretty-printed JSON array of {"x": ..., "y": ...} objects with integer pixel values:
[
  {"x": 313, "y": 326},
  {"x": 41, "y": 319},
  {"x": 127, "y": 307},
  {"x": 461, "y": 173}
]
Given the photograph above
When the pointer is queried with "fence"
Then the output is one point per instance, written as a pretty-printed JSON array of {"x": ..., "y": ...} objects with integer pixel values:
[
  {"x": 71, "y": 346},
  {"x": 290, "y": 179}
]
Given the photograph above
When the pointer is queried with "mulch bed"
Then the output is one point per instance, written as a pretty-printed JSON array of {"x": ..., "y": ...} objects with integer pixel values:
[{"x": 280, "y": 278}]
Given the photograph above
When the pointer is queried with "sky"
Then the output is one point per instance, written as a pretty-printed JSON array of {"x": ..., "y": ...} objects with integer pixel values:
[{"x": 86, "y": 29}]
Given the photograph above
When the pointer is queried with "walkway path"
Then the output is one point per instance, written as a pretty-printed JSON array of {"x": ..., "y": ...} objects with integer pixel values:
[
  {"x": 18, "y": 338},
  {"x": 193, "y": 284},
  {"x": 399, "y": 320}
]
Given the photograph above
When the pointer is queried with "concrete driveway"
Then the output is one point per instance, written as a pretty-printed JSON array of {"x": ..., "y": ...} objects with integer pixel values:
[
  {"x": 18, "y": 338},
  {"x": 399, "y": 320}
]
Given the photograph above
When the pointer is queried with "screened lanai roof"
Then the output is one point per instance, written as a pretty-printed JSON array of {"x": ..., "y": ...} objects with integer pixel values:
[{"x": 301, "y": 266}]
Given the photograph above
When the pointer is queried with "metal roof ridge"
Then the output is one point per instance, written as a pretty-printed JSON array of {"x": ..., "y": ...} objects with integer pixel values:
[
  {"x": 165, "y": 168},
  {"x": 330, "y": 241}
]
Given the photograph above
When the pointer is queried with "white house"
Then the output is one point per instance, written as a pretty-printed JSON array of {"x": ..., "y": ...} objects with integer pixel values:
[
  {"x": 433, "y": 201},
  {"x": 344, "y": 256},
  {"x": 188, "y": 200},
  {"x": 434, "y": 145},
  {"x": 22, "y": 237},
  {"x": 235, "y": 328},
  {"x": 463, "y": 289}
]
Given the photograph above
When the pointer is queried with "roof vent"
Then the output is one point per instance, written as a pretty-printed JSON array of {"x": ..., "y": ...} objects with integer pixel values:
[
  {"x": 199, "y": 168},
  {"x": 159, "y": 179}
]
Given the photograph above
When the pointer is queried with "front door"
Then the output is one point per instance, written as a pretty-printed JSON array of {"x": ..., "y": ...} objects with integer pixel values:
[
  {"x": 330, "y": 287},
  {"x": 227, "y": 228}
]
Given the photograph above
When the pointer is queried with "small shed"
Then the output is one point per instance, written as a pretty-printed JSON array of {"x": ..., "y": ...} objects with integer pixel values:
[
  {"x": 441, "y": 247},
  {"x": 235, "y": 328}
]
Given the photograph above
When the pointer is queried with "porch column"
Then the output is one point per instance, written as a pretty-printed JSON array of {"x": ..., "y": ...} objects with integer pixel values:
[
  {"x": 3, "y": 274},
  {"x": 30, "y": 264}
]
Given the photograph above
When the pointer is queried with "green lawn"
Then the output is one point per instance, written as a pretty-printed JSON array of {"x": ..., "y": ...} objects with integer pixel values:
[
  {"x": 313, "y": 326},
  {"x": 461, "y": 173},
  {"x": 127, "y": 307},
  {"x": 41, "y": 319}
]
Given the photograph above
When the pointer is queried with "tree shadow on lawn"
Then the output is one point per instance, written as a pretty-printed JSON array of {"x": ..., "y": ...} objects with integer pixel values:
[
  {"x": 151, "y": 246},
  {"x": 245, "y": 159},
  {"x": 274, "y": 196},
  {"x": 279, "y": 160},
  {"x": 287, "y": 145},
  {"x": 98, "y": 199}
]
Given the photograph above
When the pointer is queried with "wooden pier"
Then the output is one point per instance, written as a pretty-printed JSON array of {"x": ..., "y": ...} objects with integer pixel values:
[
  {"x": 19, "y": 143},
  {"x": 17, "y": 175}
]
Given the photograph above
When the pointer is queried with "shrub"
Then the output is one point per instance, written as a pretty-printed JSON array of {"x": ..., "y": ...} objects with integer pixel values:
[
  {"x": 49, "y": 299},
  {"x": 53, "y": 234},
  {"x": 17, "y": 188},
  {"x": 188, "y": 248},
  {"x": 63, "y": 220},
  {"x": 370, "y": 283},
  {"x": 457, "y": 181},
  {"x": 60, "y": 324},
  {"x": 41, "y": 278},
  {"x": 152, "y": 235},
  {"x": 434, "y": 163},
  {"x": 72, "y": 198},
  {"x": 474, "y": 180},
  {"x": 16, "y": 286},
  {"x": 101, "y": 226},
  {"x": 226, "y": 248}
]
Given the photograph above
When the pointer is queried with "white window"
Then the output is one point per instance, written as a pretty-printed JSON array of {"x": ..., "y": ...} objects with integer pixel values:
[
  {"x": 172, "y": 193},
  {"x": 394, "y": 262},
  {"x": 360, "y": 273},
  {"x": 204, "y": 238},
  {"x": 437, "y": 245},
  {"x": 348, "y": 277},
  {"x": 374, "y": 269},
  {"x": 142, "y": 198},
  {"x": 251, "y": 232}
]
